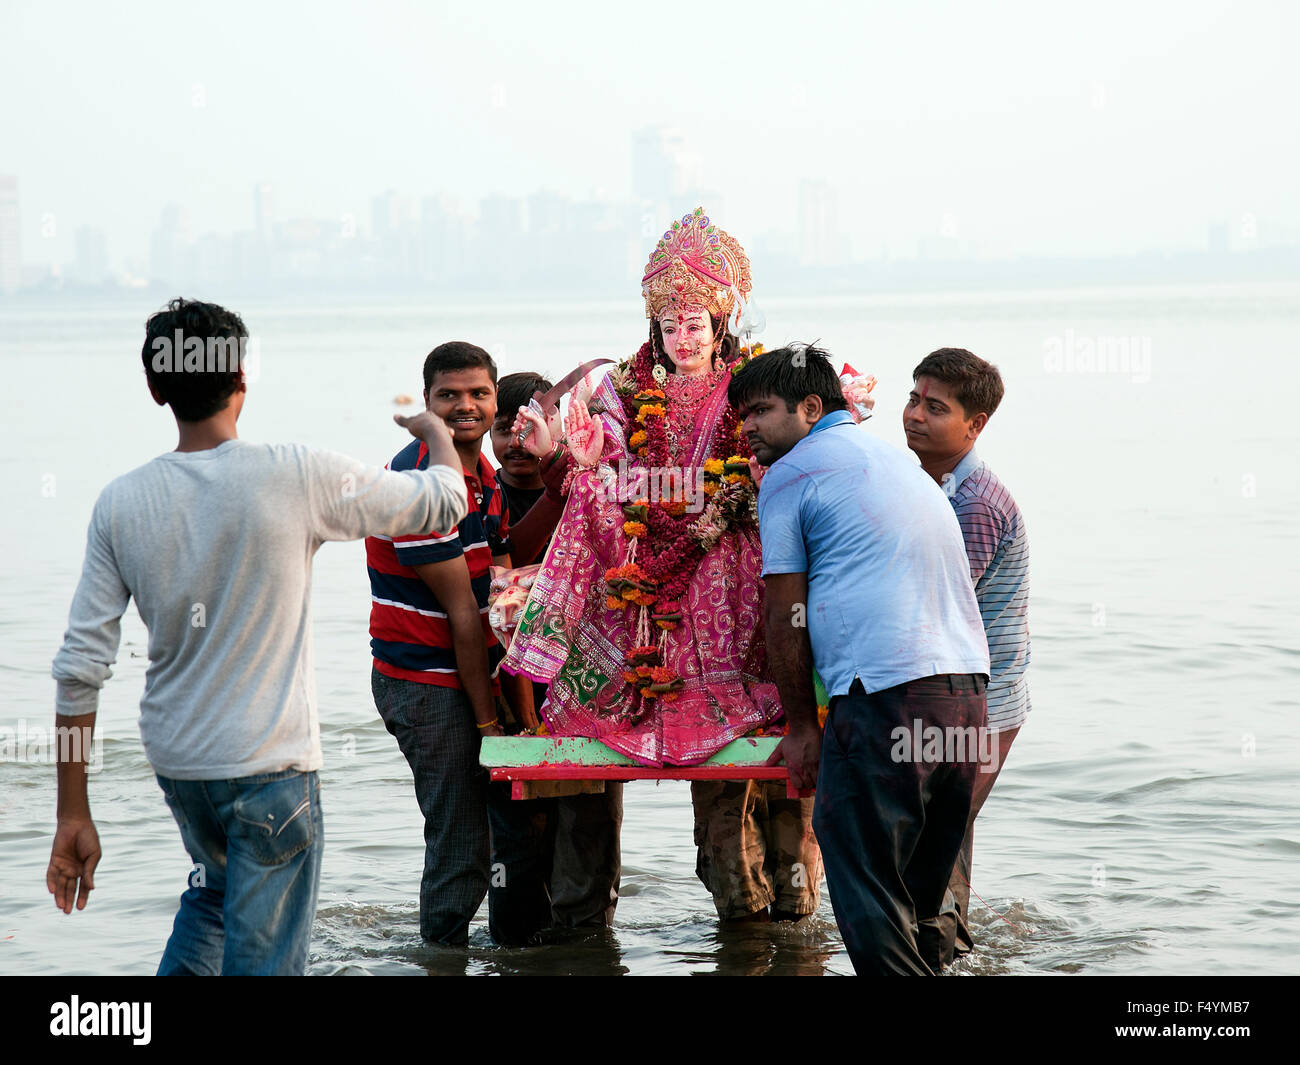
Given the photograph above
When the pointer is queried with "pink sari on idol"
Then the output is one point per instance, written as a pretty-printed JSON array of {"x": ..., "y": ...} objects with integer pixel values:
[{"x": 570, "y": 639}]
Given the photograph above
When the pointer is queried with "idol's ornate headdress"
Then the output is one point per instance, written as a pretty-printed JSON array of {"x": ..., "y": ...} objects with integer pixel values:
[{"x": 696, "y": 264}]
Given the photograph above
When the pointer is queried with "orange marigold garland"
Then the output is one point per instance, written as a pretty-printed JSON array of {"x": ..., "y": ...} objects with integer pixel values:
[{"x": 670, "y": 540}]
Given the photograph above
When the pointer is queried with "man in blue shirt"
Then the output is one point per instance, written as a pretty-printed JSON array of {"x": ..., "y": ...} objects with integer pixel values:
[
  {"x": 866, "y": 579},
  {"x": 954, "y": 393}
]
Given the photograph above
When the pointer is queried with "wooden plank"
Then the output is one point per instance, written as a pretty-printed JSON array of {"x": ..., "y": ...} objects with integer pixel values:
[
  {"x": 524, "y": 779},
  {"x": 552, "y": 789}
]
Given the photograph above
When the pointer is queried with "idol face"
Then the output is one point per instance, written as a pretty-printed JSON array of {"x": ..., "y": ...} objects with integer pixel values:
[{"x": 688, "y": 339}]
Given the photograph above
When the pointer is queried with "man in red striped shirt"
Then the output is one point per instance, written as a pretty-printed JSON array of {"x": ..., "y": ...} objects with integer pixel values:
[{"x": 435, "y": 657}]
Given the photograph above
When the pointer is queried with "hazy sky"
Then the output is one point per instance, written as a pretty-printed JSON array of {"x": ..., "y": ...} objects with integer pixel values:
[{"x": 1035, "y": 127}]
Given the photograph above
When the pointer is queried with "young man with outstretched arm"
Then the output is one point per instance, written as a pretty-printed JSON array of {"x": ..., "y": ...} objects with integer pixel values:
[
  {"x": 954, "y": 394},
  {"x": 866, "y": 579},
  {"x": 215, "y": 541}
]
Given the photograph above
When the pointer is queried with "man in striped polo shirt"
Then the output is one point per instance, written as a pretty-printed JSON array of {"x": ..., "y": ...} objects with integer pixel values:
[
  {"x": 954, "y": 394},
  {"x": 435, "y": 657}
]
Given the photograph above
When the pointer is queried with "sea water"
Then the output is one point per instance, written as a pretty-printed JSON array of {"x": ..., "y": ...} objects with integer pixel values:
[{"x": 1146, "y": 821}]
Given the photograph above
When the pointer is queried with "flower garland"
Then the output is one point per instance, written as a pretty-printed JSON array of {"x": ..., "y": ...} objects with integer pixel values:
[{"x": 672, "y": 541}]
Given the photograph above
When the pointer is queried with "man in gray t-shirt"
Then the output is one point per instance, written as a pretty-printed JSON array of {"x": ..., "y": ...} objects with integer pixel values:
[{"x": 214, "y": 541}]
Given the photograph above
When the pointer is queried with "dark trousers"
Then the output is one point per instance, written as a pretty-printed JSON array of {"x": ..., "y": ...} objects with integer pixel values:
[
  {"x": 555, "y": 862},
  {"x": 434, "y": 726},
  {"x": 954, "y": 920},
  {"x": 891, "y": 812}
]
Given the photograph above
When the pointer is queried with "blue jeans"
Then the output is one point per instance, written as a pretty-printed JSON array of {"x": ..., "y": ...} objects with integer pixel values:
[{"x": 256, "y": 843}]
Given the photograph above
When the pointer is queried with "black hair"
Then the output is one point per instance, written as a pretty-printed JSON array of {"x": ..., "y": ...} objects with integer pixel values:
[
  {"x": 457, "y": 355},
  {"x": 789, "y": 373},
  {"x": 516, "y": 389},
  {"x": 196, "y": 383},
  {"x": 728, "y": 351},
  {"x": 976, "y": 383}
]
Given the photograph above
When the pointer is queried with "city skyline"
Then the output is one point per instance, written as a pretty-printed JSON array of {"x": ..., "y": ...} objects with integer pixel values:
[
  {"x": 144, "y": 137},
  {"x": 405, "y": 240}
]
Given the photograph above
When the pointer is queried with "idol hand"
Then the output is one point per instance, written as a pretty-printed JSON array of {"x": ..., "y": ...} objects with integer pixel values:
[
  {"x": 858, "y": 393},
  {"x": 756, "y": 472},
  {"x": 586, "y": 435},
  {"x": 584, "y": 389}
]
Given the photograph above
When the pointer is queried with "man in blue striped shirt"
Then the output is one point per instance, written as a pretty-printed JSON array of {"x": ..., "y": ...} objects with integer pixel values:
[{"x": 954, "y": 394}]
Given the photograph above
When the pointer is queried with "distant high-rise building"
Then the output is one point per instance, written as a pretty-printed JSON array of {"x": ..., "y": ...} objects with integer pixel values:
[
  {"x": 263, "y": 211},
  {"x": 90, "y": 264},
  {"x": 10, "y": 234},
  {"x": 662, "y": 169},
  {"x": 170, "y": 248},
  {"x": 390, "y": 215},
  {"x": 443, "y": 241},
  {"x": 1218, "y": 238},
  {"x": 820, "y": 241},
  {"x": 392, "y": 228},
  {"x": 548, "y": 214},
  {"x": 498, "y": 250}
]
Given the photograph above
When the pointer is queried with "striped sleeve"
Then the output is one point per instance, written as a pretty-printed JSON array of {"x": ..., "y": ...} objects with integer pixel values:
[
  {"x": 983, "y": 529},
  {"x": 423, "y": 548}
]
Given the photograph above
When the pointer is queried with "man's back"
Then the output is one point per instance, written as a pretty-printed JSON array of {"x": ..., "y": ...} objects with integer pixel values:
[
  {"x": 216, "y": 548},
  {"x": 889, "y": 597}
]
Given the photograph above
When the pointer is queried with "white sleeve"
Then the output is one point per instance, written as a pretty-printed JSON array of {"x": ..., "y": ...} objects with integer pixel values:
[
  {"x": 94, "y": 623},
  {"x": 350, "y": 500}
]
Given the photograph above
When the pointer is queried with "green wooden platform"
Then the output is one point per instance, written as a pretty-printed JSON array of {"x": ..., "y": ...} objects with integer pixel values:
[{"x": 550, "y": 765}]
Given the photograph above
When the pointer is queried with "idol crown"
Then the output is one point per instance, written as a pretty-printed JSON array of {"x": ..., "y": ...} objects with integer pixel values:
[{"x": 696, "y": 264}]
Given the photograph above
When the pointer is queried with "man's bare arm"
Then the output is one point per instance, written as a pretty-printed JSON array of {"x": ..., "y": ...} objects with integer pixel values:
[
  {"x": 75, "y": 853},
  {"x": 449, "y": 582},
  {"x": 789, "y": 653}
]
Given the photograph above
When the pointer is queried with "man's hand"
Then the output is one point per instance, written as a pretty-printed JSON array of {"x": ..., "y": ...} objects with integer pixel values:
[
  {"x": 539, "y": 443},
  {"x": 436, "y": 433},
  {"x": 73, "y": 858},
  {"x": 801, "y": 751},
  {"x": 424, "y": 425}
]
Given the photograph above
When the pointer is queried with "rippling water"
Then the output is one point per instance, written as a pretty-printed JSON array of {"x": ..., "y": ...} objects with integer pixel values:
[{"x": 1146, "y": 821}]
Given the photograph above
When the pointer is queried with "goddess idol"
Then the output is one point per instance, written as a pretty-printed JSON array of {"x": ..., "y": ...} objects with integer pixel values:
[{"x": 646, "y": 616}]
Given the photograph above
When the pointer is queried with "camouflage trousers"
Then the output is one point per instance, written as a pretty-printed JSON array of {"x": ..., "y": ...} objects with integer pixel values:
[{"x": 755, "y": 847}]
